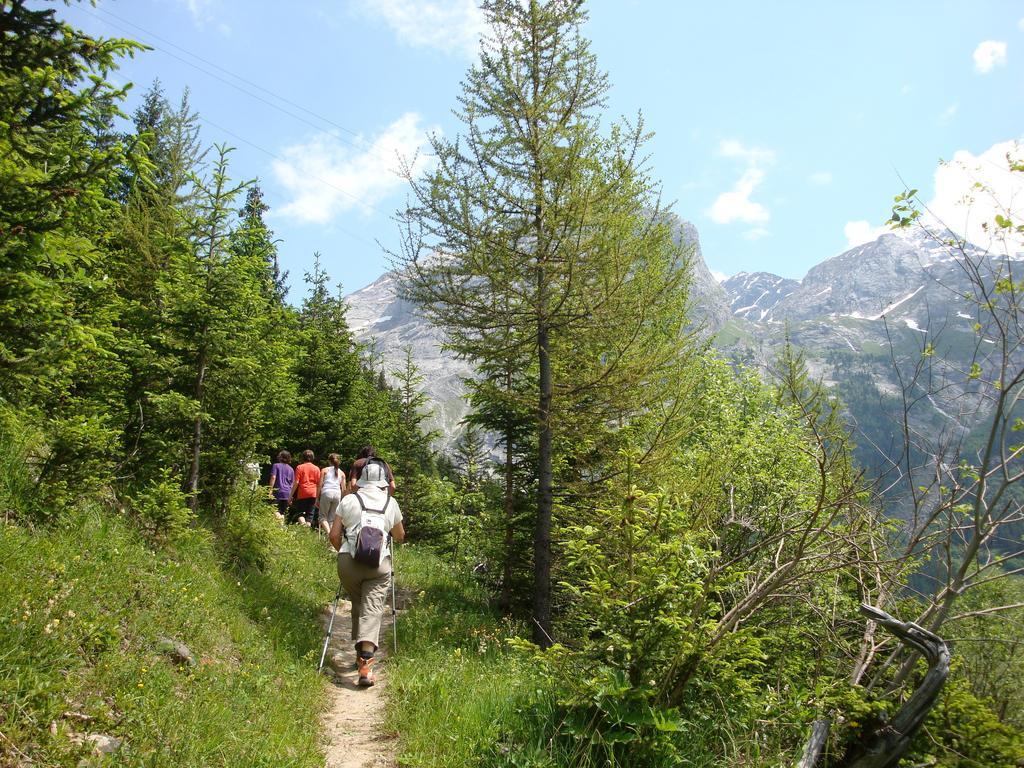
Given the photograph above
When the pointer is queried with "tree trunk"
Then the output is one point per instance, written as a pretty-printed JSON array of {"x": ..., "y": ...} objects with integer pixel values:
[
  {"x": 816, "y": 743},
  {"x": 197, "y": 434},
  {"x": 509, "y": 509},
  {"x": 886, "y": 746},
  {"x": 542, "y": 528}
]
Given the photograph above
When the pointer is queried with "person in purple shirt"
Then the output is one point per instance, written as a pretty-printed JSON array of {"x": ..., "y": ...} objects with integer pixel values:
[{"x": 281, "y": 478}]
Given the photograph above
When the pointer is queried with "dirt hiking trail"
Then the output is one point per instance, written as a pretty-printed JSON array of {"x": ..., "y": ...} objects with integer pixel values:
[{"x": 353, "y": 724}]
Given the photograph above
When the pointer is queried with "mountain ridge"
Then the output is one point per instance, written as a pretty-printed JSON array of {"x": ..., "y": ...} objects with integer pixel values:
[{"x": 888, "y": 291}]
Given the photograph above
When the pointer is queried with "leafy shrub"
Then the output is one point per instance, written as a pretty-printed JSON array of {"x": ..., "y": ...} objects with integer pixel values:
[
  {"x": 161, "y": 510},
  {"x": 610, "y": 721},
  {"x": 963, "y": 732},
  {"x": 245, "y": 533},
  {"x": 442, "y": 520}
]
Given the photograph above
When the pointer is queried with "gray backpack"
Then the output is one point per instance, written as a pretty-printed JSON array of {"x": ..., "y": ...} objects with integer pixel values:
[{"x": 371, "y": 535}]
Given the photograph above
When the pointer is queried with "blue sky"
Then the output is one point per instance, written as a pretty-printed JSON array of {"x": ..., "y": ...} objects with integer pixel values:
[{"x": 782, "y": 129}]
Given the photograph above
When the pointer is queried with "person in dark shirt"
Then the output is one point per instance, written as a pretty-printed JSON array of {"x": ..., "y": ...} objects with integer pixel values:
[
  {"x": 368, "y": 452},
  {"x": 282, "y": 476}
]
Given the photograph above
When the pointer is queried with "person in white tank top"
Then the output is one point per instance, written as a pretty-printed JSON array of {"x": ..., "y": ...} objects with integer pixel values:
[{"x": 332, "y": 480}]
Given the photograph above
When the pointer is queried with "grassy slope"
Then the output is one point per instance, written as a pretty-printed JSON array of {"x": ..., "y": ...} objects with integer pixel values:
[
  {"x": 459, "y": 695},
  {"x": 81, "y": 608}
]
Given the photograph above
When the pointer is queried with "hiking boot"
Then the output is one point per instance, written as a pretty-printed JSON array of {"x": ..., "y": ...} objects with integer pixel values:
[{"x": 366, "y": 676}]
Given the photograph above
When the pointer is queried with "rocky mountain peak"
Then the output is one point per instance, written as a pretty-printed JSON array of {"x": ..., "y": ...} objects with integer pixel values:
[{"x": 753, "y": 295}]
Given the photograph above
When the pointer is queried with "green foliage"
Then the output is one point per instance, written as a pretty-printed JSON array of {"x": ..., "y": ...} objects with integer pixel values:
[
  {"x": 161, "y": 509},
  {"x": 247, "y": 532},
  {"x": 611, "y": 721},
  {"x": 19, "y": 447},
  {"x": 552, "y": 233},
  {"x": 326, "y": 369},
  {"x": 58, "y": 155},
  {"x": 989, "y": 646},
  {"x": 459, "y": 694},
  {"x": 80, "y": 623},
  {"x": 962, "y": 732},
  {"x": 691, "y": 576}
]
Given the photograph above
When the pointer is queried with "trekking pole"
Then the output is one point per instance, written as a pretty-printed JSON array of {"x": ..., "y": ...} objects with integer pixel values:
[
  {"x": 330, "y": 627},
  {"x": 394, "y": 610}
]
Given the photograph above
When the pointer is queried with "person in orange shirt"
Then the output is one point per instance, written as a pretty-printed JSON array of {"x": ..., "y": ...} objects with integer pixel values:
[{"x": 307, "y": 480}]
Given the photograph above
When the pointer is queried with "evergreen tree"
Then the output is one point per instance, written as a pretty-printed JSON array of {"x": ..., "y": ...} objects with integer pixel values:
[
  {"x": 326, "y": 366},
  {"x": 255, "y": 235},
  {"x": 206, "y": 324},
  {"x": 411, "y": 442},
  {"x": 471, "y": 457},
  {"x": 534, "y": 220},
  {"x": 58, "y": 155},
  {"x": 153, "y": 252}
]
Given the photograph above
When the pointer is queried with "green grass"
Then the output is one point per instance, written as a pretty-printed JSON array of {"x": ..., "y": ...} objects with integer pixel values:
[
  {"x": 82, "y": 605},
  {"x": 731, "y": 333},
  {"x": 459, "y": 695}
]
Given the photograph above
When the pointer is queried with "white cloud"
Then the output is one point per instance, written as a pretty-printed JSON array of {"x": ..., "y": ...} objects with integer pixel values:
[
  {"x": 988, "y": 55},
  {"x": 720, "y": 277},
  {"x": 860, "y": 232},
  {"x": 736, "y": 205},
  {"x": 820, "y": 178},
  {"x": 1020, "y": 25},
  {"x": 753, "y": 155},
  {"x": 325, "y": 177},
  {"x": 196, "y": 7},
  {"x": 203, "y": 16},
  {"x": 450, "y": 26},
  {"x": 949, "y": 113},
  {"x": 971, "y": 189}
]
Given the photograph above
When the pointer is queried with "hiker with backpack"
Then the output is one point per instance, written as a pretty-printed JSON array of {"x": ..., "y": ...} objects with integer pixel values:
[{"x": 366, "y": 523}]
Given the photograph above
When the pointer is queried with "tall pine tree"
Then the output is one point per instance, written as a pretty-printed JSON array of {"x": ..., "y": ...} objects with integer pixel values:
[{"x": 536, "y": 220}]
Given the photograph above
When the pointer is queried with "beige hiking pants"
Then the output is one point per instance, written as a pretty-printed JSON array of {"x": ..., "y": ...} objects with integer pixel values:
[{"x": 367, "y": 588}]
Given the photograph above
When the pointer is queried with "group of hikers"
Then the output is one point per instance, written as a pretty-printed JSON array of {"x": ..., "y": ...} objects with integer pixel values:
[{"x": 361, "y": 518}]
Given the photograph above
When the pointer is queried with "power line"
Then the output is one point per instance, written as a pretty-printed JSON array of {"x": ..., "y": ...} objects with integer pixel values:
[
  {"x": 361, "y": 147},
  {"x": 232, "y": 74},
  {"x": 257, "y": 147}
]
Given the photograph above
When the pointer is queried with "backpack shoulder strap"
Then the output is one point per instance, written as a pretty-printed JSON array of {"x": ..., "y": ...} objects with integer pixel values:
[{"x": 364, "y": 508}]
